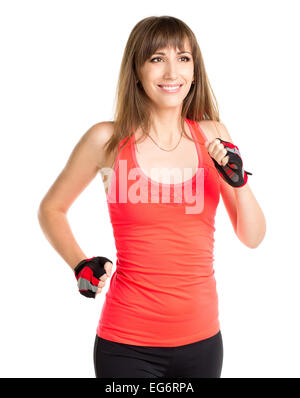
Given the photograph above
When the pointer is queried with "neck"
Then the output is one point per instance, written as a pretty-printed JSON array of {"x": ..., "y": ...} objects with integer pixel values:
[{"x": 166, "y": 126}]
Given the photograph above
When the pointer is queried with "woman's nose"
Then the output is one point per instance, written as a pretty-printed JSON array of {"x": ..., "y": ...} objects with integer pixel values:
[{"x": 171, "y": 70}]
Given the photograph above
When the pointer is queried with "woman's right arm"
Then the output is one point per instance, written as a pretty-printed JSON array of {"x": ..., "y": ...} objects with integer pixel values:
[{"x": 86, "y": 159}]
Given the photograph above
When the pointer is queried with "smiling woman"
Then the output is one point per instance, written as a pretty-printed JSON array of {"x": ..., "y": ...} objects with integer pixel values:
[
  {"x": 161, "y": 51},
  {"x": 163, "y": 293},
  {"x": 160, "y": 315},
  {"x": 175, "y": 87}
]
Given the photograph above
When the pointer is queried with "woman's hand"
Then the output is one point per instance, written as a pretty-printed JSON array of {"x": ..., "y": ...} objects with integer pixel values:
[
  {"x": 107, "y": 266},
  {"x": 91, "y": 274},
  {"x": 217, "y": 151},
  {"x": 234, "y": 174}
]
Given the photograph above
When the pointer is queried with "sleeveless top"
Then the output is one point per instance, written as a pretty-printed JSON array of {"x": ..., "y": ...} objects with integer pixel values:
[{"x": 163, "y": 292}]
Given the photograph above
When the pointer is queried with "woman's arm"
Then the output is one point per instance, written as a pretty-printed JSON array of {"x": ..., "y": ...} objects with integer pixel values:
[
  {"x": 82, "y": 166},
  {"x": 243, "y": 209},
  {"x": 251, "y": 222}
]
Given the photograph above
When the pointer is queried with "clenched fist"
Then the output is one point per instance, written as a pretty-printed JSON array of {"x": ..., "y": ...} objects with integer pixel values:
[
  {"x": 233, "y": 172},
  {"x": 91, "y": 274},
  {"x": 217, "y": 151}
]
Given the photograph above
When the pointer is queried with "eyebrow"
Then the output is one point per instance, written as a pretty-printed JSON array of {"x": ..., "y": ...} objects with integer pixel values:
[{"x": 178, "y": 52}]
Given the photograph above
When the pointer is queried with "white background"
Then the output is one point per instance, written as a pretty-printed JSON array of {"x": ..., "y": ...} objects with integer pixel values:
[{"x": 59, "y": 69}]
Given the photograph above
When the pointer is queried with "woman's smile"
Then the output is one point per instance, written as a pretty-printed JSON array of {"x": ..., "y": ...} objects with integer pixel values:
[{"x": 170, "y": 89}]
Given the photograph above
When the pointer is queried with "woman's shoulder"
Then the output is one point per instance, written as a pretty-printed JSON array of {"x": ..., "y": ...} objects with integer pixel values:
[
  {"x": 97, "y": 136},
  {"x": 102, "y": 131}
]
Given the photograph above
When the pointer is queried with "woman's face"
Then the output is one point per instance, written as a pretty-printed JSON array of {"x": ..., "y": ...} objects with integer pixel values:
[{"x": 164, "y": 68}]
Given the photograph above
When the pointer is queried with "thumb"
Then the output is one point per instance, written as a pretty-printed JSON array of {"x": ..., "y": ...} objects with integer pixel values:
[{"x": 108, "y": 267}]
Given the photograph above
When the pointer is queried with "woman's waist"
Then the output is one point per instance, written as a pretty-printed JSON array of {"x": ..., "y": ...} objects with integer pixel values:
[
  {"x": 164, "y": 266},
  {"x": 164, "y": 294}
]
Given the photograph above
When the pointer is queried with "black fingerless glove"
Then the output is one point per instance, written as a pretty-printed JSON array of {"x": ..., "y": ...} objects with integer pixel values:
[
  {"x": 233, "y": 172},
  {"x": 88, "y": 273}
]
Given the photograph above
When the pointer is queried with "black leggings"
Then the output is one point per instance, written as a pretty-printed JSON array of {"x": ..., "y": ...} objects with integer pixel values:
[{"x": 201, "y": 359}]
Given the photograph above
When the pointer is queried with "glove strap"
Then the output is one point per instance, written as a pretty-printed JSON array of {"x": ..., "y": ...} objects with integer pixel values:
[
  {"x": 82, "y": 264},
  {"x": 96, "y": 264}
]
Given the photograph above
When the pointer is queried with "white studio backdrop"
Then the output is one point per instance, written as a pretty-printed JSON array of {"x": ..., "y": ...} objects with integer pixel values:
[{"x": 59, "y": 70}]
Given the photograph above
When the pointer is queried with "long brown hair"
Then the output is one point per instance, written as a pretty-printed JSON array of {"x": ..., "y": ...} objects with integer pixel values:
[{"x": 132, "y": 105}]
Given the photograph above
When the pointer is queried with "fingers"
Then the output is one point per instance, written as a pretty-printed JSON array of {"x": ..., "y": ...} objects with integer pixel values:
[
  {"x": 108, "y": 269},
  {"x": 99, "y": 290},
  {"x": 217, "y": 151},
  {"x": 101, "y": 284},
  {"x": 224, "y": 161},
  {"x": 103, "y": 277}
]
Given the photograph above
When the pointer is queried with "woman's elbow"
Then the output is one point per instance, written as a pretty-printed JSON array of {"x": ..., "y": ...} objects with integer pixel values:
[{"x": 254, "y": 243}]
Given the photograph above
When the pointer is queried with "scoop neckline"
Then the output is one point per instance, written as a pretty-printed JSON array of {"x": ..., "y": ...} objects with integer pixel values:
[{"x": 190, "y": 180}]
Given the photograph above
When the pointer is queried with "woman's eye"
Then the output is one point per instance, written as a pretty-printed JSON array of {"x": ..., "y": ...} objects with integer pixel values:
[{"x": 187, "y": 59}]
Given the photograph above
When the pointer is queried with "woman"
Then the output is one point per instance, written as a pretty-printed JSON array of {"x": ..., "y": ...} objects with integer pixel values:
[{"x": 160, "y": 315}]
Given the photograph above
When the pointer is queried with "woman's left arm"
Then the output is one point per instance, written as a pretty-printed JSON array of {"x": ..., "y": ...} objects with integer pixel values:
[{"x": 246, "y": 216}]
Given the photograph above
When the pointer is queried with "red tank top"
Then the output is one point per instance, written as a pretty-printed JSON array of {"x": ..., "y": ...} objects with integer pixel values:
[{"x": 163, "y": 291}]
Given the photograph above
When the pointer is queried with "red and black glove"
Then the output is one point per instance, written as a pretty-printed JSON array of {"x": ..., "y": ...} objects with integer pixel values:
[
  {"x": 88, "y": 273},
  {"x": 233, "y": 172}
]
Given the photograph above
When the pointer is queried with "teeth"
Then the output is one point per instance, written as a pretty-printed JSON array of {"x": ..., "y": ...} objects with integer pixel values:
[{"x": 170, "y": 88}]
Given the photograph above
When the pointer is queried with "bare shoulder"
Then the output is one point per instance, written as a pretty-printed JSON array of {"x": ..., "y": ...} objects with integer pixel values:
[
  {"x": 81, "y": 167},
  {"x": 213, "y": 129},
  {"x": 98, "y": 134}
]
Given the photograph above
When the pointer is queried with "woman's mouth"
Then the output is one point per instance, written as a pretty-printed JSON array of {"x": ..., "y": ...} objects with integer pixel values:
[{"x": 170, "y": 89}]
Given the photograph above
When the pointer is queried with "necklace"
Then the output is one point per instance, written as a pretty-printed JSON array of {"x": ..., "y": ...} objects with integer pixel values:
[{"x": 167, "y": 150}]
